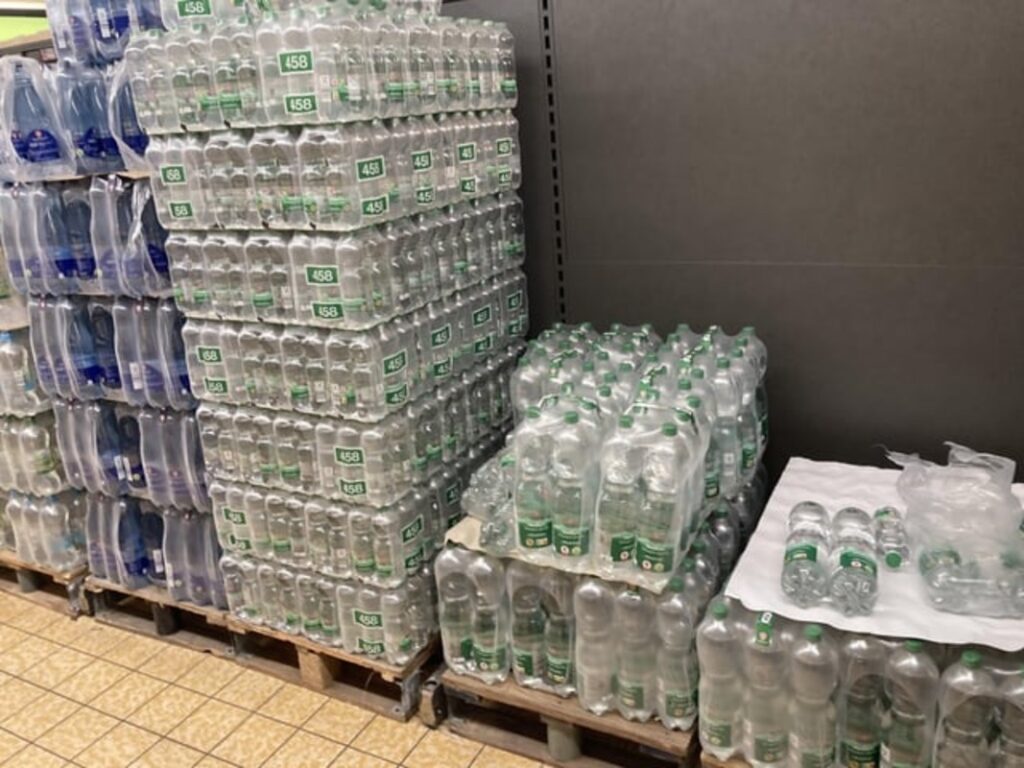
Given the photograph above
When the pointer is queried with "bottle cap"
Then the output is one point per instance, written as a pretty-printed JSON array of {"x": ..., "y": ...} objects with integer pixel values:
[
  {"x": 697, "y": 373},
  {"x": 683, "y": 328},
  {"x": 604, "y": 390},
  {"x": 970, "y": 659},
  {"x": 719, "y": 609},
  {"x": 736, "y": 353},
  {"x": 813, "y": 632},
  {"x": 914, "y": 646},
  {"x": 688, "y": 565},
  {"x": 684, "y": 385},
  {"x": 533, "y": 412},
  {"x": 747, "y": 330},
  {"x": 684, "y": 416},
  {"x": 588, "y": 365},
  {"x": 610, "y": 377},
  {"x": 694, "y": 402},
  {"x": 675, "y": 584},
  {"x": 669, "y": 429},
  {"x": 722, "y": 363},
  {"x": 893, "y": 559},
  {"x": 571, "y": 417},
  {"x": 741, "y": 342},
  {"x": 625, "y": 421},
  {"x": 628, "y": 346},
  {"x": 672, "y": 338},
  {"x": 625, "y": 367}
]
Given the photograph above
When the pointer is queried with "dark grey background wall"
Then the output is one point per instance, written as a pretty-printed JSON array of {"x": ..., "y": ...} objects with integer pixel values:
[{"x": 847, "y": 176}]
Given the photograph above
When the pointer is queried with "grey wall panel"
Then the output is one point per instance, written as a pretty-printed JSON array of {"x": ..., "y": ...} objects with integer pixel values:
[{"x": 847, "y": 175}]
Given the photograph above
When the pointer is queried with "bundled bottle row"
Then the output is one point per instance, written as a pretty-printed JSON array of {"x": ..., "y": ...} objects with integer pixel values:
[
  {"x": 98, "y": 31},
  {"x": 46, "y": 530},
  {"x": 625, "y": 446},
  {"x": 616, "y": 647},
  {"x": 129, "y": 350},
  {"x": 13, "y": 312},
  {"x": 316, "y": 66},
  {"x": 30, "y": 460},
  {"x": 135, "y": 544},
  {"x": 361, "y": 375},
  {"x": 98, "y": 237},
  {"x": 66, "y": 120},
  {"x": 839, "y": 559},
  {"x": 395, "y": 624},
  {"x": 781, "y": 693},
  {"x": 335, "y": 178},
  {"x": 114, "y": 450},
  {"x": 350, "y": 282},
  {"x": 20, "y": 393},
  {"x": 368, "y": 464},
  {"x": 382, "y": 546}
]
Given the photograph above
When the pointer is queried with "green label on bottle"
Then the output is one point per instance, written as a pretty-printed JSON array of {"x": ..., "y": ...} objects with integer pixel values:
[
  {"x": 571, "y": 542},
  {"x": 300, "y": 103},
  {"x": 559, "y": 670},
  {"x": 290, "y": 472},
  {"x": 622, "y": 547},
  {"x": 414, "y": 560},
  {"x": 263, "y": 300},
  {"x": 711, "y": 485},
  {"x": 481, "y": 316},
  {"x": 191, "y": 9},
  {"x": 466, "y": 152},
  {"x": 425, "y": 195},
  {"x": 812, "y": 758},
  {"x": 234, "y": 516},
  {"x": 503, "y": 147},
  {"x": 180, "y": 210},
  {"x": 466, "y": 648},
  {"x": 797, "y": 552},
  {"x": 631, "y": 695},
  {"x": 504, "y": 176},
  {"x": 748, "y": 456},
  {"x": 412, "y": 530},
  {"x": 534, "y": 534},
  {"x": 680, "y": 704},
  {"x": 327, "y": 310},
  {"x": 483, "y": 344},
  {"x": 295, "y": 62},
  {"x": 230, "y": 102},
  {"x": 654, "y": 556},
  {"x": 371, "y": 168},
  {"x": 351, "y": 457},
  {"x": 281, "y": 546},
  {"x": 422, "y": 160},
  {"x": 467, "y": 185},
  {"x": 859, "y": 755},
  {"x": 715, "y": 734},
  {"x": 395, "y": 363},
  {"x": 322, "y": 274},
  {"x": 523, "y": 661},
  {"x": 173, "y": 174},
  {"x": 514, "y": 300},
  {"x": 215, "y": 386},
  {"x": 371, "y": 647},
  {"x": 369, "y": 619},
  {"x": 209, "y": 355},
  {"x": 375, "y": 206},
  {"x": 453, "y": 494},
  {"x": 764, "y": 628},
  {"x": 489, "y": 660},
  {"x": 856, "y": 561},
  {"x": 441, "y": 337},
  {"x": 442, "y": 368},
  {"x": 357, "y": 488},
  {"x": 396, "y": 395},
  {"x": 770, "y": 748}
]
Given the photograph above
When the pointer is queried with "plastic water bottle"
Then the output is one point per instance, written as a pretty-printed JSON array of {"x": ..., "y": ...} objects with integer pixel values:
[
  {"x": 891, "y": 538},
  {"x": 765, "y": 706},
  {"x": 677, "y": 670},
  {"x": 911, "y": 691},
  {"x": 966, "y": 711},
  {"x": 636, "y": 690},
  {"x": 814, "y": 675},
  {"x": 594, "y": 606},
  {"x": 853, "y": 582},
  {"x": 528, "y": 636},
  {"x": 573, "y": 453},
  {"x": 805, "y": 569},
  {"x": 859, "y": 713},
  {"x": 532, "y": 496},
  {"x": 619, "y": 499},
  {"x": 720, "y": 699},
  {"x": 1010, "y": 748},
  {"x": 34, "y": 126}
]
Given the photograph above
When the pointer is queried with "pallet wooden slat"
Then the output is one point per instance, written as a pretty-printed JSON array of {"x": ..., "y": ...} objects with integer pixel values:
[
  {"x": 9, "y": 559},
  {"x": 710, "y": 761}
]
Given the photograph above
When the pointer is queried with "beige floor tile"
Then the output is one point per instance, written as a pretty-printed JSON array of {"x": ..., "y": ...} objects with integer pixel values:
[
  {"x": 16, "y": 695},
  {"x": 209, "y": 675},
  {"x": 34, "y": 757},
  {"x": 10, "y": 637},
  {"x": 171, "y": 663},
  {"x": 69, "y": 737},
  {"x": 212, "y": 762},
  {"x": 250, "y": 690},
  {"x": 67, "y": 630},
  {"x": 490, "y": 757},
  {"x": 9, "y": 744},
  {"x": 127, "y": 695},
  {"x": 117, "y": 749},
  {"x": 29, "y": 651},
  {"x": 338, "y": 721},
  {"x": 57, "y": 667},
  {"x": 98, "y": 639},
  {"x": 44, "y": 713},
  {"x": 304, "y": 750},
  {"x": 389, "y": 739},
  {"x": 10, "y": 606},
  {"x": 442, "y": 748},
  {"x": 35, "y": 619},
  {"x": 353, "y": 758},
  {"x": 91, "y": 681},
  {"x": 293, "y": 704},
  {"x": 134, "y": 651},
  {"x": 168, "y": 754},
  {"x": 166, "y": 710},
  {"x": 208, "y": 725},
  {"x": 253, "y": 741}
]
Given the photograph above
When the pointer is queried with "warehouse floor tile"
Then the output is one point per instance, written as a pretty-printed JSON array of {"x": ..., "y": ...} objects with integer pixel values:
[{"x": 80, "y": 694}]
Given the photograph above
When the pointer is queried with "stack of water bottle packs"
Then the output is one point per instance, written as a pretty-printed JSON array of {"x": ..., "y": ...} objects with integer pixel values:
[{"x": 781, "y": 693}]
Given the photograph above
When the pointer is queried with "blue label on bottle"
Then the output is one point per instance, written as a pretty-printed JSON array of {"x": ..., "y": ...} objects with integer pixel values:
[
  {"x": 158, "y": 258},
  {"x": 89, "y": 144},
  {"x": 65, "y": 262},
  {"x": 40, "y": 146}
]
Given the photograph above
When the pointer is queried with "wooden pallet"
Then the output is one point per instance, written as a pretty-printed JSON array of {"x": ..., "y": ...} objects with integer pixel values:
[
  {"x": 710, "y": 761},
  {"x": 58, "y": 590},
  {"x": 387, "y": 689},
  {"x": 553, "y": 730}
]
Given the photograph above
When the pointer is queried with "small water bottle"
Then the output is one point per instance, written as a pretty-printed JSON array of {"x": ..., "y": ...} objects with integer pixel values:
[
  {"x": 891, "y": 538},
  {"x": 854, "y": 571},
  {"x": 805, "y": 564}
]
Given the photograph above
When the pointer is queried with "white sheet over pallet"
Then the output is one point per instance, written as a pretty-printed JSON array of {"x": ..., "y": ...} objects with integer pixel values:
[{"x": 903, "y": 609}]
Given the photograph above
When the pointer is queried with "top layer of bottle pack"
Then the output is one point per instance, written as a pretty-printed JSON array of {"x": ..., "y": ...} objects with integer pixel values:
[{"x": 201, "y": 64}]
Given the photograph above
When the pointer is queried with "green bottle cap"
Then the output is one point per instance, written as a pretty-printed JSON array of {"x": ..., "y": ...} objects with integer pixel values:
[
  {"x": 625, "y": 421},
  {"x": 914, "y": 646},
  {"x": 813, "y": 632},
  {"x": 970, "y": 659},
  {"x": 684, "y": 385},
  {"x": 669, "y": 430},
  {"x": 688, "y": 565},
  {"x": 604, "y": 391},
  {"x": 719, "y": 609},
  {"x": 533, "y": 412},
  {"x": 722, "y": 363},
  {"x": 893, "y": 560},
  {"x": 571, "y": 417},
  {"x": 611, "y": 377}
]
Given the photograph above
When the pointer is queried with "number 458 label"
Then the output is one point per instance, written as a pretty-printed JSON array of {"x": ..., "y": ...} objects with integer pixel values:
[
  {"x": 192, "y": 8},
  {"x": 181, "y": 210},
  {"x": 300, "y": 103},
  {"x": 295, "y": 62},
  {"x": 172, "y": 174}
]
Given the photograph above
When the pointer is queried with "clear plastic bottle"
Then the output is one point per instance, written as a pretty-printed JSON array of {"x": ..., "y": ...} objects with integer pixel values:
[
  {"x": 765, "y": 706},
  {"x": 532, "y": 494},
  {"x": 967, "y": 696},
  {"x": 853, "y": 583},
  {"x": 1010, "y": 748},
  {"x": 911, "y": 691},
  {"x": 805, "y": 573},
  {"x": 619, "y": 499},
  {"x": 594, "y": 606},
  {"x": 573, "y": 462},
  {"x": 636, "y": 689},
  {"x": 720, "y": 700},
  {"x": 814, "y": 675},
  {"x": 677, "y": 670},
  {"x": 859, "y": 712},
  {"x": 891, "y": 538}
]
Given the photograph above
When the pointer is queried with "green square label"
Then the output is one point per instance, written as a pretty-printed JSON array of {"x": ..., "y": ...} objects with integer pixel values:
[
  {"x": 322, "y": 274},
  {"x": 295, "y": 62},
  {"x": 397, "y": 395},
  {"x": 395, "y": 363},
  {"x": 375, "y": 206},
  {"x": 425, "y": 195},
  {"x": 327, "y": 310},
  {"x": 503, "y": 147},
  {"x": 412, "y": 530},
  {"x": 300, "y": 103},
  {"x": 357, "y": 488},
  {"x": 453, "y": 494},
  {"x": 173, "y": 174},
  {"x": 467, "y": 185},
  {"x": 514, "y": 300},
  {"x": 350, "y": 457},
  {"x": 181, "y": 210},
  {"x": 216, "y": 386},
  {"x": 441, "y": 337},
  {"x": 371, "y": 168},
  {"x": 423, "y": 160},
  {"x": 442, "y": 368},
  {"x": 367, "y": 619},
  {"x": 467, "y": 152},
  {"x": 191, "y": 9},
  {"x": 481, "y": 316},
  {"x": 209, "y": 355},
  {"x": 505, "y": 176}
]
